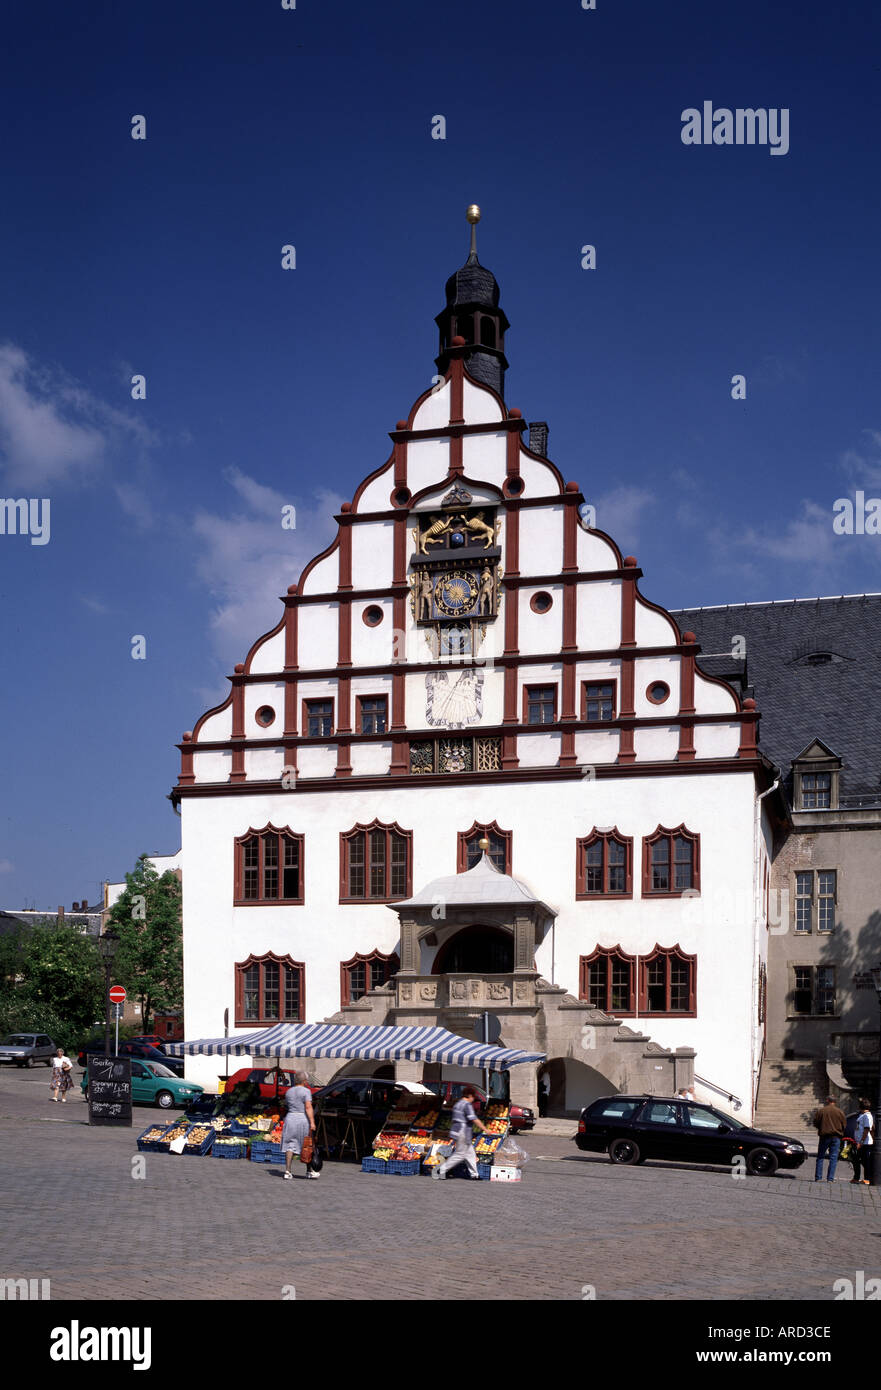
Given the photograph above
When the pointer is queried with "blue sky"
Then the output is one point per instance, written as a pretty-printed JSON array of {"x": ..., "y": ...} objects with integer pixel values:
[{"x": 313, "y": 127}]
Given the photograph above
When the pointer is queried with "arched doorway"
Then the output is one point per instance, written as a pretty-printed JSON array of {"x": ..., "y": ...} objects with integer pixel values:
[{"x": 476, "y": 950}]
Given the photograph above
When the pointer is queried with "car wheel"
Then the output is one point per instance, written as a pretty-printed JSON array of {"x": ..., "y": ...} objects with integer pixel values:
[
  {"x": 29, "y": 1062},
  {"x": 762, "y": 1163},
  {"x": 624, "y": 1151},
  {"x": 165, "y": 1100}
]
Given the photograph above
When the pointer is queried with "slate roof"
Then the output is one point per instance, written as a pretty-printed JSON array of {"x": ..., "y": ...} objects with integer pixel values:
[
  {"x": 838, "y": 701},
  {"x": 472, "y": 284}
]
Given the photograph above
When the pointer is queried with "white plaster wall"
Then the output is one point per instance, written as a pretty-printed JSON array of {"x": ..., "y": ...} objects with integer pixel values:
[
  {"x": 217, "y": 727},
  {"x": 160, "y": 862},
  {"x": 479, "y": 407},
  {"x": 315, "y": 762},
  {"x": 269, "y": 656},
  {"x": 258, "y": 695},
  {"x": 373, "y": 646},
  {"x": 645, "y": 672},
  {"x": 538, "y": 750},
  {"x": 371, "y": 685},
  {"x": 325, "y": 576},
  {"x": 316, "y": 690},
  {"x": 710, "y": 698},
  {"x": 370, "y": 759},
  {"x": 541, "y": 540},
  {"x": 212, "y": 766},
  {"x": 653, "y": 629},
  {"x": 656, "y": 745},
  {"x": 318, "y": 638},
  {"x": 434, "y": 412},
  {"x": 716, "y": 740},
  {"x": 546, "y": 820},
  {"x": 264, "y": 763},
  {"x": 483, "y": 456},
  {"x": 428, "y": 462},
  {"x": 594, "y": 746},
  {"x": 538, "y": 479},
  {"x": 594, "y": 553},
  {"x": 376, "y": 497},
  {"x": 372, "y": 559},
  {"x": 598, "y": 614},
  {"x": 539, "y": 632}
]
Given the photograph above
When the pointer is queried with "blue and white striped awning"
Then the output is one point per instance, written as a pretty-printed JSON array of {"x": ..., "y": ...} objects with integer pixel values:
[{"x": 372, "y": 1044}]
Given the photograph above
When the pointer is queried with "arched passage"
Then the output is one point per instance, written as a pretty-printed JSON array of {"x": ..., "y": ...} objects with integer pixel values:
[
  {"x": 476, "y": 950},
  {"x": 574, "y": 1085}
]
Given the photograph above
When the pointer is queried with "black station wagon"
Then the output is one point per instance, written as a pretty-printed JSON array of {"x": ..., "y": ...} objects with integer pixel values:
[{"x": 633, "y": 1128}]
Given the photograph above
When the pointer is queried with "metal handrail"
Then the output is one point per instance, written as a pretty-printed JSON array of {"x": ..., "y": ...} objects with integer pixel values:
[{"x": 720, "y": 1090}]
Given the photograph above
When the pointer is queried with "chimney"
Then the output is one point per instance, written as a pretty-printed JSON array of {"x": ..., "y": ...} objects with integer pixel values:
[
  {"x": 74, "y": 907},
  {"x": 538, "y": 437},
  {"x": 61, "y": 911},
  {"x": 84, "y": 905}
]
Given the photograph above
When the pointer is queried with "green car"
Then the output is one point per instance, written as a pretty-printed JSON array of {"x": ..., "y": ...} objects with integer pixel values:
[{"x": 154, "y": 1084}]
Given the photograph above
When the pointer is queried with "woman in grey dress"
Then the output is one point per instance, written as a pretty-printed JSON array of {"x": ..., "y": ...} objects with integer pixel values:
[{"x": 299, "y": 1121}]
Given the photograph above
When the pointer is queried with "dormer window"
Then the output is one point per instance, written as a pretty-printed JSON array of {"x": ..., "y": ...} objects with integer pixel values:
[
  {"x": 815, "y": 774},
  {"x": 816, "y": 791}
]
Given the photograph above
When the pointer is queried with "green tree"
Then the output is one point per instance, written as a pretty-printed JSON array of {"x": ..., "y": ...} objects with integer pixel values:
[
  {"x": 147, "y": 921},
  {"x": 61, "y": 971}
]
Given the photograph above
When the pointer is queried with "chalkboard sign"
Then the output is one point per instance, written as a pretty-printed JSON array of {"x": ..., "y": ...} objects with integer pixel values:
[{"x": 110, "y": 1090}]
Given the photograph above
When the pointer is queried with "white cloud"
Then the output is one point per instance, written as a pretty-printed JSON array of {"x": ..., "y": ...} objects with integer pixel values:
[
  {"x": 6, "y": 866},
  {"x": 620, "y": 514},
  {"x": 863, "y": 466}
]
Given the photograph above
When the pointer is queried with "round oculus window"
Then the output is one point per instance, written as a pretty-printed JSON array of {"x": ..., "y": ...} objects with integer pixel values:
[
  {"x": 265, "y": 715},
  {"x": 658, "y": 692},
  {"x": 372, "y": 615},
  {"x": 541, "y": 602}
]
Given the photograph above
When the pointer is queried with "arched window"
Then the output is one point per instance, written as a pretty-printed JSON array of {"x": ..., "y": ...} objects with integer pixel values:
[
  {"x": 469, "y": 850},
  {"x": 671, "y": 863},
  {"x": 608, "y": 980},
  {"x": 363, "y": 973},
  {"x": 270, "y": 989},
  {"x": 268, "y": 867},
  {"x": 375, "y": 863},
  {"x": 487, "y": 332},
  {"x": 668, "y": 983},
  {"x": 604, "y": 865},
  {"x": 465, "y": 327}
]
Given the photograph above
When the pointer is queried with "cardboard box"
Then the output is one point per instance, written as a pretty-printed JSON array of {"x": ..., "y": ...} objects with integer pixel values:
[{"x": 504, "y": 1174}]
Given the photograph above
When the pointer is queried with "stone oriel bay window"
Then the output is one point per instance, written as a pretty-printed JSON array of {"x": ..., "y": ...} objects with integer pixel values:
[
  {"x": 360, "y": 974},
  {"x": 671, "y": 863},
  {"x": 604, "y": 865},
  {"x": 469, "y": 851},
  {"x": 268, "y": 867},
  {"x": 270, "y": 989},
  {"x": 376, "y": 863},
  {"x": 607, "y": 980},
  {"x": 668, "y": 983}
]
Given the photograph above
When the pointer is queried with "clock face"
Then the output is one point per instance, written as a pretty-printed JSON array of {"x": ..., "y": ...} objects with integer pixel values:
[{"x": 455, "y": 594}]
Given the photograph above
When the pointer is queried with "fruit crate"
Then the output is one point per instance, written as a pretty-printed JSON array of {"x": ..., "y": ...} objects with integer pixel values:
[
  {"x": 374, "y": 1165},
  {"x": 151, "y": 1145},
  {"x": 461, "y": 1171},
  {"x": 262, "y": 1151},
  {"x": 239, "y": 1150},
  {"x": 199, "y": 1150},
  {"x": 404, "y": 1167}
]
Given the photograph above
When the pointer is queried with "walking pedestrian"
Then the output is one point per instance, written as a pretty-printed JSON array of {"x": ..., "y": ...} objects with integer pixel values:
[
  {"x": 864, "y": 1135},
  {"x": 829, "y": 1122},
  {"x": 464, "y": 1120},
  {"x": 299, "y": 1122},
  {"x": 850, "y": 1149},
  {"x": 544, "y": 1094},
  {"x": 62, "y": 1075}
]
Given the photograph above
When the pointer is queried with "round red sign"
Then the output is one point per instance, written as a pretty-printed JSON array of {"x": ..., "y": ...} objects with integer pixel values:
[{"x": 117, "y": 994}]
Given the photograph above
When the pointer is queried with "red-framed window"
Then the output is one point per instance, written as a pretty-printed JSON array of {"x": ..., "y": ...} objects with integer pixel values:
[
  {"x": 468, "y": 851},
  {"x": 376, "y": 863},
  {"x": 598, "y": 700},
  {"x": 604, "y": 865},
  {"x": 372, "y": 714},
  {"x": 270, "y": 989},
  {"x": 269, "y": 866},
  {"x": 608, "y": 980},
  {"x": 363, "y": 973},
  {"x": 318, "y": 718},
  {"x": 539, "y": 704},
  {"x": 668, "y": 983},
  {"x": 671, "y": 863}
]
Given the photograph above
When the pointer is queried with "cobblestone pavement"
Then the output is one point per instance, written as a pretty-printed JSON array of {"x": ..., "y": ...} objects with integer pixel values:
[{"x": 575, "y": 1227}]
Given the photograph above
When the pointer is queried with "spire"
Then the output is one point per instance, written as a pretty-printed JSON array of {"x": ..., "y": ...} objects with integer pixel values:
[{"x": 472, "y": 312}]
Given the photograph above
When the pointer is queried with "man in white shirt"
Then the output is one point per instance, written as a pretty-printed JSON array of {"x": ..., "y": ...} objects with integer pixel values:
[{"x": 864, "y": 1136}]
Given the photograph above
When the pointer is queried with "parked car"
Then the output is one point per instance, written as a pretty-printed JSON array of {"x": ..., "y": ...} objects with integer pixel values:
[
  {"x": 522, "y": 1118},
  {"x": 633, "y": 1128},
  {"x": 133, "y": 1049},
  {"x": 272, "y": 1081},
  {"x": 26, "y": 1049},
  {"x": 152, "y": 1039},
  {"x": 154, "y": 1084}
]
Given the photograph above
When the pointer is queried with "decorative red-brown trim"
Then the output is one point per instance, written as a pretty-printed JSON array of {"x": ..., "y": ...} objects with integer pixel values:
[
  {"x": 218, "y": 709},
  {"x": 359, "y": 959},
  {"x": 467, "y": 481},
  {"x": 399, "y": 455},
  {"x": 599, "y": 680},
  {"x": 290, "y": 711},
  {"x": 669, "y": 953},
  {"x": 628, "y": 605},
  {"x": 570, "y": 527},
  {"x": 239, "y": 975},
  {"x": 570, "y": 612},
  {"x": 291, "y": 632},
  {"x": 187, "y": 774},
  {"x": 658, "y": 608},
  {"x": 748, "y": 730},
  {"x": 344, "y": 642},
  {"x": 512, "y": 562},
  {"x": 543, "y": 685},
  {"x": 399, "y": 549},
  {"x": 306, "y": 737},
  {"x": 255, "y": 647},
  {"x": 359, "y": 700},
  {"x": 664, "y": 698},
  {"x": 664, "y": 832},
  {"x": 372, "y": 608},
  {"x": 537, "y": 600},
  {"x": 344, "y": 705},
  {"x": 390, "y": 829},
  {"x": 456, "y": 378},
  {"x": 567, "y": 756},
  {"x": 316, "y": 559},
  {"x": 482, "y": 829},
  {"x": 239, "y": 899},
  {"x": 607, "y": 954},
  {"x": 264, "y": 723},
  {"x": 567, "y": 580},
  {"x": 626, "y": 751},
  {"x": 509, "y": 714},
  {"x": 509, "y": 580},
  {"x": 568, "y": 689},
  {"x": 603, "y": 836},
  {"x": 687, "y": 751},
  {"x": 345, "y": 580},
  {"x": 456, "y": 466}
]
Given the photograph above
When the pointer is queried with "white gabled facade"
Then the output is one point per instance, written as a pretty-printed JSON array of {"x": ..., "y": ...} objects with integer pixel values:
[{"x": 468, "y": 653}]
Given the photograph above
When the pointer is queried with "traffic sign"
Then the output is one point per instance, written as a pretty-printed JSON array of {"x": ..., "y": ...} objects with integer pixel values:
[{"x": 117, "y": 994}]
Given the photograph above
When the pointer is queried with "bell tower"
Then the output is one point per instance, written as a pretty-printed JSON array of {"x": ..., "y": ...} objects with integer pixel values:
[{"x": 472, "y": 312}]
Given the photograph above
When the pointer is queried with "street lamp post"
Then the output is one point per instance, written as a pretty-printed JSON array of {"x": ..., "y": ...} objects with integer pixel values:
[
  {"x": 871, "y": 979},
  {"x": 107, "y": 947}
]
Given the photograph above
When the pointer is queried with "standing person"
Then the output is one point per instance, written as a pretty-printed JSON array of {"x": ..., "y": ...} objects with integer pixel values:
[
  {"x": 864, "y": 1134},
  {"x": 62, "y": 1078},
  {"x": 829, "y": 1122},
  {"x": 544, "y": 1094},
  {"x": 850, "y": 1140},
  {"x": 299, "y": 1121},
  {"x": 464, "y": 1120}
]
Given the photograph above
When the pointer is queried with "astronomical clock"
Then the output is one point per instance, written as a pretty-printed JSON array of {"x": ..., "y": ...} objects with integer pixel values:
[{"x": 454, "y": 574}]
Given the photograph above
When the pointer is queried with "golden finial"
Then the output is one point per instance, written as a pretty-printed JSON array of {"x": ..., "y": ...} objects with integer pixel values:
[
  {"x": 473, "y": 215},
  {"x": 483, "y": 845}
]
